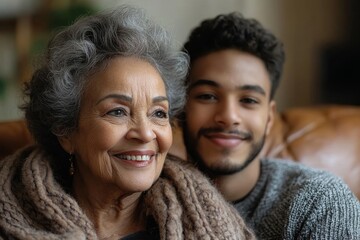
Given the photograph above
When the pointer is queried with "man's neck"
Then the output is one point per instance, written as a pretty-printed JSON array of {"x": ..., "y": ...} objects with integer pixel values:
[{"x": 236, "y": 186}]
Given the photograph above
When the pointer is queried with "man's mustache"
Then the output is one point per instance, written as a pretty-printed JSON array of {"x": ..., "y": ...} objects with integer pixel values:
[{"x": 241, "y": 134}]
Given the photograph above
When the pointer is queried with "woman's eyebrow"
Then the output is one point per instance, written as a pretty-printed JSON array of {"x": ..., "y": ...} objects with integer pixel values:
[
  {"x": 117, "y": 96},
  {"x": 160, "y": 99}
]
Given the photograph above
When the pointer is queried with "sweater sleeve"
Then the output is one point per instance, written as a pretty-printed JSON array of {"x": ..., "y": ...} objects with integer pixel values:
[{"x": 333, "y": 211}]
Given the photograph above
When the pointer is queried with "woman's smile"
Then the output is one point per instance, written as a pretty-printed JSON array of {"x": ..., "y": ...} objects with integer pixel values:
[{"x": 137, "y": 159}]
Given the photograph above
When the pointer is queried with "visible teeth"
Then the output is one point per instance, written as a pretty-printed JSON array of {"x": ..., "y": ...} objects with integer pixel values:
[{"x": 135, "y": 157}]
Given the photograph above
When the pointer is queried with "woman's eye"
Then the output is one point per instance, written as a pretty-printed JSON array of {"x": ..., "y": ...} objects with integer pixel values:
[
  {"x": 161, "y": 114},
  {"x": 119, "y": 112}
]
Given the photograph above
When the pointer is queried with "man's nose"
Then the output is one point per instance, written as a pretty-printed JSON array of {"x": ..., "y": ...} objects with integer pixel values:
[{"x": 228, "y": 113}]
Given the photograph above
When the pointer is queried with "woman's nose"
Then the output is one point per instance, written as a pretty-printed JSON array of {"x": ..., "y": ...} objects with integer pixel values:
[
  {"x": 228, "y": 114},
  {"x": 141, "y": 130}
]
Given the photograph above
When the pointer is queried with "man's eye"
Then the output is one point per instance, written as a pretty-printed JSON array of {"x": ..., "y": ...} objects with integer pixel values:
[
  {"x": 249, "y": 101},
  {"x": 119, "y": 112},
  {"x": 206, "y": 97},
  {"x": 161, "y": 114}
]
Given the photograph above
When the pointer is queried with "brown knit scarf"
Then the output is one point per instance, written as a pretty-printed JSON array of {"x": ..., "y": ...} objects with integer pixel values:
[{"x": 182, "y": 202}]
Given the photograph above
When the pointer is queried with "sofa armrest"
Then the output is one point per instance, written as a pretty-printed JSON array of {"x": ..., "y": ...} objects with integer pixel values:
[
  {"x": 13, "y": 135},
  {"x": 325, "y": 137}
]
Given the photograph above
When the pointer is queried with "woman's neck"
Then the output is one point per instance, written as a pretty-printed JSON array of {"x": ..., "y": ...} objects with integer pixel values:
[{"x": 113, "y": 214}]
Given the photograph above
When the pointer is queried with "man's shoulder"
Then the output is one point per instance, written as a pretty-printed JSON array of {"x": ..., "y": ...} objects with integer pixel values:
[
  {"x": 305, "y": 183},
  {"x": 293, "y": 171},
  {"x": 290, "y": 195},
  {"x": 283, "y": 181}
]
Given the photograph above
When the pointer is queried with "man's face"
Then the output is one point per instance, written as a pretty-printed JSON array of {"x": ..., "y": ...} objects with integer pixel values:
[{"x": 228, "y": 112}]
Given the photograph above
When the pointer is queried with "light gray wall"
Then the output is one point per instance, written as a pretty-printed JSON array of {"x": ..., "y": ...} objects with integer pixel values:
[
  {"x": 304, "y": 26},
  {"x": 180, "y": 16}
]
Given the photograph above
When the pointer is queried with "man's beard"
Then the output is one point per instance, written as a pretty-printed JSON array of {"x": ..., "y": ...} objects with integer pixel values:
[{"x": 214, "y": 171}]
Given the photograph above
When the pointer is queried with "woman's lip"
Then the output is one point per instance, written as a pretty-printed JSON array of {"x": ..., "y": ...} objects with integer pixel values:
[
  {"x": 130, "y": 159},
  {"x": 136, "y": 152},
  {"x": 137, "y": 164}
]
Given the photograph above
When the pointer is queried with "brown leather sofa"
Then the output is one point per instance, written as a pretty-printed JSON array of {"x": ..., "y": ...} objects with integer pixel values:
[{"x": 325, "y": 137}]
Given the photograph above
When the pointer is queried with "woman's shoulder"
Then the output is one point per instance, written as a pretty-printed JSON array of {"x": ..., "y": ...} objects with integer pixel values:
[
  {"x": 176, "y": 167},
  {"x": 177, "y": 162},
  {"x": 19, "y": 156}
]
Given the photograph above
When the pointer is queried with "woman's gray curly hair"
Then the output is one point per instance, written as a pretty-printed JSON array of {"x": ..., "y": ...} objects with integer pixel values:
[{"x": 55, "y": 90}]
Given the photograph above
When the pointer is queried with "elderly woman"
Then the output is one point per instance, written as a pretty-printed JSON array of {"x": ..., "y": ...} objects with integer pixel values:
[{"x": 100, "y": 110}]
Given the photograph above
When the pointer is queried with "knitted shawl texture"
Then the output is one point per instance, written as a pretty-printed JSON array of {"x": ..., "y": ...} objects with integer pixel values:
[{"x": 33, "y": 205}]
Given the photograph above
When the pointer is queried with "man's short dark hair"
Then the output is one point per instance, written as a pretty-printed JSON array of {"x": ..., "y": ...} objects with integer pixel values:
[{"x": 232, "y": 30}]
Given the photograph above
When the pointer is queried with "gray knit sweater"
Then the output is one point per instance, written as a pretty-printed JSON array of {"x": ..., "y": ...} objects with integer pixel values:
[{"x": 291, "y": 201}]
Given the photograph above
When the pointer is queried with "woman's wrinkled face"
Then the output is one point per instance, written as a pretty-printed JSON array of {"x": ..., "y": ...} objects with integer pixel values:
[{"x": 123, "y": 132}]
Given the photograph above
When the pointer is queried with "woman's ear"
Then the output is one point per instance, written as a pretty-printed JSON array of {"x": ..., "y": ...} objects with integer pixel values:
[
  {"x": 271, "y": 116},
  {"x": 66, "y": 144}
]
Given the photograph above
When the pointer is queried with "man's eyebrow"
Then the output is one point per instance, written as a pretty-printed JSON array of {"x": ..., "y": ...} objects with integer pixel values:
[
  {"x": 117, "y": 96},
  {"x": 203, "y": 82},
  {"x": 255, "y": 88},
  {"x": 247, "y": 87}
]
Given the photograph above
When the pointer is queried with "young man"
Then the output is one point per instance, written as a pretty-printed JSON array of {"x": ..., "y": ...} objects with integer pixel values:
[{"x": 235, "y": 69}]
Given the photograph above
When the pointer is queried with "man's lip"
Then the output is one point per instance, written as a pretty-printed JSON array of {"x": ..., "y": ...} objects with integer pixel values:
[
  {"x": 224, "y": 136},
  {"x": 225, "y": 140}
]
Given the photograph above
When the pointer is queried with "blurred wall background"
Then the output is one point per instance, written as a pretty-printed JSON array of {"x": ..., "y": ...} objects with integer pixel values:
[{"x": 320, "y": 38}]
